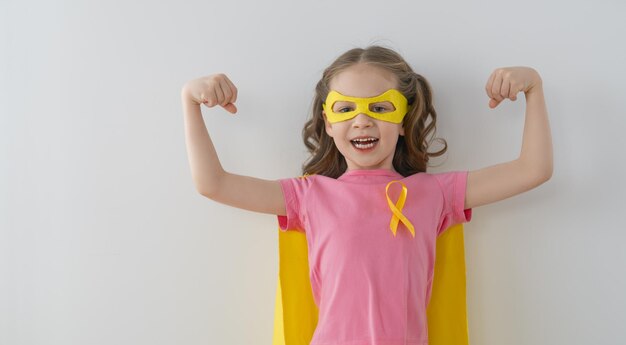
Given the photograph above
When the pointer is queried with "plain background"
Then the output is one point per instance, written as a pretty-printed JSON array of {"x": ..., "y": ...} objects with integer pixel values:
[{"x": 106, "y": 241}]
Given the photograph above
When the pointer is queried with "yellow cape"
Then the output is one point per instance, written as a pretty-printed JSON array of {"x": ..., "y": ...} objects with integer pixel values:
[{"x": 295, "y": 316}]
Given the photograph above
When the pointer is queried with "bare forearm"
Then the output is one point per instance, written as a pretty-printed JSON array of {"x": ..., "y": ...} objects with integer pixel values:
[
  {"x": 536, "y": 153},
  {"x": 205, "y": 166}
]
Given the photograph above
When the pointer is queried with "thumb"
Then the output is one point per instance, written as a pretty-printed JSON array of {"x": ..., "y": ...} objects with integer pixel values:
[
  {"x": 231, "y": 108},
  {"x": 493, "y": 103}
]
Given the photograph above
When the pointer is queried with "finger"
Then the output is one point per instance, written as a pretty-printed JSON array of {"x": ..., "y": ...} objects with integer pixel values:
[
  {"x": 505, "y": 89},
  {"x": 218, "y": 92},
  {"x": 226, "y": 91},
  {"x": 516, "y": 90},
  {"x": 490, "y": 84},
  {"x": 513, "y": 95},
  {"x": 493, "y": 103},
  {"x": 495, "y": 88},
  {"x": 233, "y": 89},
  {"x": 231, "y": 108},
  {"x": 210, "y": 99}
]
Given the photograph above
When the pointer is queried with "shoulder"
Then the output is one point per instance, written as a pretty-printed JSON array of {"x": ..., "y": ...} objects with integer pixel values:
[
  {"x": 302, "y": 184},
  {"x": 452, "y": 184},
  {"x": 307, "y": 179},
  {"x": 441, "y": 181},
  {"x": 446, "y": 176},
  {"x": 423, "y": 177}
]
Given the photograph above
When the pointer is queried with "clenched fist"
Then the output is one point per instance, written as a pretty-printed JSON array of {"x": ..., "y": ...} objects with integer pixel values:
[
  {"x": 212, "y": 90},
  {"x": 507, "y": 82}
]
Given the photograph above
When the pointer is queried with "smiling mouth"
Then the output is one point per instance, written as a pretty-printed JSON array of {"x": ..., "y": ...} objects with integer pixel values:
[{"x": 364, "y": 143}]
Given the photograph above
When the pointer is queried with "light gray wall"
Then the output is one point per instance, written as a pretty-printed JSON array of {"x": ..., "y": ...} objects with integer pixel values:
[{"x": 104, "y": 239}]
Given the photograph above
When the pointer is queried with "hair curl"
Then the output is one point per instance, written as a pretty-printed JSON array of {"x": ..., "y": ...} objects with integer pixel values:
[{"x": 411, "y": 155}]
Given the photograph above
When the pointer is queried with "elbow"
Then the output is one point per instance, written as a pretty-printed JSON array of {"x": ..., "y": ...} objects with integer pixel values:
[
  {"x": 210, "y": 189},
  {"x": 543, "y": 176},
  {"x": 212, "y": 192},
  {"x": 209, "y": 184},
  {"x": 547, "y": 172},
  {"x": 538, "y": 174}
]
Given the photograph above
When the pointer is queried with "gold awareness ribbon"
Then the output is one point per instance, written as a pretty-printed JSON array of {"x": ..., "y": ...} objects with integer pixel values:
[{"x": 397, "y": 210}]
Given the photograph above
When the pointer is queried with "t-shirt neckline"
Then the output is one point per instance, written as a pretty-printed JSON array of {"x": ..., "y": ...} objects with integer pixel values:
[{"x": 369, "y": 172}]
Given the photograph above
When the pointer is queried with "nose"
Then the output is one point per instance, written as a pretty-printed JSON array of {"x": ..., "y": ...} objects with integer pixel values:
[{"x": 362, "y": 121}]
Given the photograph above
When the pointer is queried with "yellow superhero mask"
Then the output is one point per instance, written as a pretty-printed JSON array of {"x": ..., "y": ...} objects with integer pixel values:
[{"x": 391, "y": 106}]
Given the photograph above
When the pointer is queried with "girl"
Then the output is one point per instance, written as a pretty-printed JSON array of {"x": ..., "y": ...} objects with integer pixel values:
[{"x": 370, "y": 211}]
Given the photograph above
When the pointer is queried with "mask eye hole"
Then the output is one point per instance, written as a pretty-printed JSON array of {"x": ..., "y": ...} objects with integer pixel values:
[
  {"x": 382, "y": 107},
  {"x": 343, "y": 107}
]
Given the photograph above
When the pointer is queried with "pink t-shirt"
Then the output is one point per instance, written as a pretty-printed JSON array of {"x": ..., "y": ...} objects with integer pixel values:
[{"x": 371, "y": 287}]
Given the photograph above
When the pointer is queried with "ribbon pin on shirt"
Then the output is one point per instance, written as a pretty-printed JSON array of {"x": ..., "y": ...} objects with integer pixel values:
[{"x": 397, "y": 209}]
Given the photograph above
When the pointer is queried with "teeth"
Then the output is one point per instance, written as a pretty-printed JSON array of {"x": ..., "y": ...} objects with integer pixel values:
[
  {"x": 364, "y": 146},
  {"x": 364, "y": 143}
]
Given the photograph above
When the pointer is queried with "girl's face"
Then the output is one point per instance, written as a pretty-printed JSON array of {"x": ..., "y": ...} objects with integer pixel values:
[{"x": 365, "y": 142}]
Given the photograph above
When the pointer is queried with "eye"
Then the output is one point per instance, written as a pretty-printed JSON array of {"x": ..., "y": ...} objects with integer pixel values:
[
  {"x": 380, "y": 109},
  {"x": 343, "y": 107},
  {"x": 344, "y": 110},
  {"x": 384, "y": 107}
]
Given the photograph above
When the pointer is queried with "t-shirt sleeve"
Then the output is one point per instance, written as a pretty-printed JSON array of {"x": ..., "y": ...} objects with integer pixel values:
[
  {"x": 453, "y": 186},
  {"x": 294, "y": 192}
]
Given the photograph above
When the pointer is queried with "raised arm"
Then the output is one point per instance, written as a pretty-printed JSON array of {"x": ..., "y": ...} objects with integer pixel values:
[
  {"x": 210, "y": 178},
  {"x": 534, "y": 165}
]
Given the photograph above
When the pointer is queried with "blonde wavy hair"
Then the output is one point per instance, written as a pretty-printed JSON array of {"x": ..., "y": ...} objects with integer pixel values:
[{"x": 411, "y": 155}]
